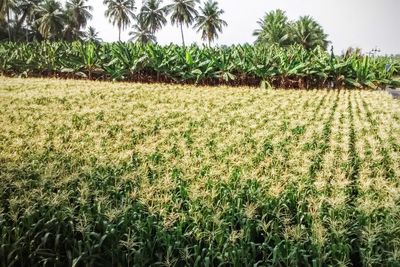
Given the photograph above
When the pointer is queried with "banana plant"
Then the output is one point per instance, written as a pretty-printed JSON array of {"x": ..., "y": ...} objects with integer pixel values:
[
  {"x": 128, "y": 59},
  {"x": 225, "y": 67},
  {"x": 6, "y": 59},
  {"x": 90, "y": 59},
  {"x": 285, "y": 67}
]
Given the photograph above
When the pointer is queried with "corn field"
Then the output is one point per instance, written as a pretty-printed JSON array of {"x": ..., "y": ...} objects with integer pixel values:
[
  {"x": 291, "y": 67},
  {"x": 121, "y": 174}
]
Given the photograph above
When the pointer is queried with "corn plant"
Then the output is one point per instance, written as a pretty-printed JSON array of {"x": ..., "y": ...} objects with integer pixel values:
[{"x": 125, "y": 175}]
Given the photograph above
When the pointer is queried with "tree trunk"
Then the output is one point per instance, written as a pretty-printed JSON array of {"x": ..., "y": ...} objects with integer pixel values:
[
  {"x": 8, "y": 24},
  {"x": 20, "y": 22},
  {"x": 27, "y": 31},
  {"x": 183, "y": 38},
  {"x": 119, "y": 33}
]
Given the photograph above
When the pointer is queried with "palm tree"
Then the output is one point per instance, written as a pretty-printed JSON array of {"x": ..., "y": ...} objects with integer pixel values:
[
  {"x": 182, "y": 12},
  {"x": 24, "y": 12},
  {"x": 80, "y": 12},
  {"x": 77, "y": 14},
  {"x": 5, "y": 8},
  {"x": 120, "y": 12},
  {"x": 71, "y": 30},
  {"x": 2, "y": 8},
  {"x": 92, "y": 35},
  {"x": 209, "y": 21},
  {"x": 141, "y": 32},
  {"x": 308, "y": 33},
  {"x": 274, "y": 29},
  {"x": 5, "y": 12},
  {"x": 51, "y": 19},
  {"x": 153, "y": 15}
]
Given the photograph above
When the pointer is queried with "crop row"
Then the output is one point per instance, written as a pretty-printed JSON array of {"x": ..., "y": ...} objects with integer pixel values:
[
  {"x": 118, "y": 174},
  {"x": 292, "y": 67}
]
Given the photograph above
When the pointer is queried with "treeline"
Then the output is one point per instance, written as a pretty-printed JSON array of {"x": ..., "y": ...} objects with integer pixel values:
[
  {"x": 291, "y": 67},
  {"x": 37, "y": 20},
  {"x": 28, "y": 20}
]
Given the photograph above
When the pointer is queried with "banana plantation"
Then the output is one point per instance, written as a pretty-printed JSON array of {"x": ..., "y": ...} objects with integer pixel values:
[{"x": 270, "y": 66}]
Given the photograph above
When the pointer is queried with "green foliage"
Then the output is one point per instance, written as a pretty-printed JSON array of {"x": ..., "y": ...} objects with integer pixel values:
[
  {"x": 141, "y": 32},
  {"x": 209, "y": 22},
  {"x": 276, "y": 29},
  {"x": 120, "y": 13},
  {"x": 291, "y": 67},
  {"x": 29, "y": 20},
  {"x": 153, "y": 15},
  {"x": 182, "y": 12}
]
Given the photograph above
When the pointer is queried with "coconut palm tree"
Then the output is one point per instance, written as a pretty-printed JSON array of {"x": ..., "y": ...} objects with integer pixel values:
[
  {"x": 71, "y": 30},
  {"x": 79, "y": 12},
  {"x": 77, "y": 16},
  {"x": 209, "y": 21},
  {"x": 24, "y": 11},
  {"x": 182, "y": 12},
  {"x": 141, "y": 32},
  {"x": 51, "y": 19},
  {"x": 307, "y": 32},
  {"x": 2, "y": 8},
  {"x": 91, "y": 35},
  {"x": 5, "y": 8},
  {"x": 274, "y": 29},
  {"x": 153, "y": 15},
  {"x": 5, "y": 13},
  {"x": 120, "y": 12}
]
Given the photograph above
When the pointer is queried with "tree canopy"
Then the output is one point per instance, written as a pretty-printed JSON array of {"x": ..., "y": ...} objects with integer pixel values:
[
  {"x": 28, "y": 20},
  {"x": 276, "y": 29}
]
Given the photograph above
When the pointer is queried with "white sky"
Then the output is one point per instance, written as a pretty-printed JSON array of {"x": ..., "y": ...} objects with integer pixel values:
[{"x": 362, "y": 23}]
